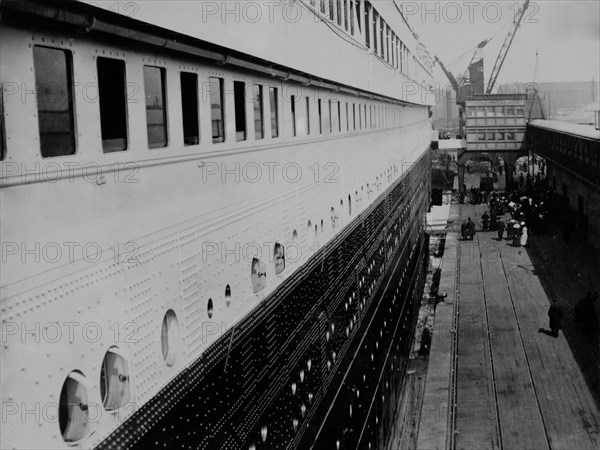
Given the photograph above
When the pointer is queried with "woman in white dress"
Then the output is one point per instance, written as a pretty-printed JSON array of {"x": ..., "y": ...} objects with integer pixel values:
[{"x": 523, "y": 234}]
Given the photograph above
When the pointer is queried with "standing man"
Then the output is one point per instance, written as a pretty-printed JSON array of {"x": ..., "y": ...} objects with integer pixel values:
[
  {"x": 486, "y": 221},
  {"x": 555, "y": 315},
  {"x": 500, "y": 226}
]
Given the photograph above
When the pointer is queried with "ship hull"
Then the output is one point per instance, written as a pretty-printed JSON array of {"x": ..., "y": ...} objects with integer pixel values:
[{"x": 320, "y": 363}]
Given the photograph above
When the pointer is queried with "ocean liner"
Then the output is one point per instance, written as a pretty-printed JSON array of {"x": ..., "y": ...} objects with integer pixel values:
[{"x": 213, "y": 221}]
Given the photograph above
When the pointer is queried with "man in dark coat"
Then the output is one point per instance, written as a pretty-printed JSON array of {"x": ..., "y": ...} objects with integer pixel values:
[
  {"x": 463, "y": 231},
  {"x": 486, "y": 221},
  {"x": 500, "y": 226},
  {"x": 555, "y": 315},
  {"x": 470, "y": 228}
]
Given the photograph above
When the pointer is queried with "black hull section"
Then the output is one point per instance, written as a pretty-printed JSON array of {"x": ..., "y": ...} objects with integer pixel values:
[{"x": 320, "y": 362}]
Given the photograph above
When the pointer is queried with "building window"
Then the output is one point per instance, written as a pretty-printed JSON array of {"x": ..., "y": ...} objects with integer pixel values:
[
  {"x": 346, "y": 15},
  {"x": 339, "y": 116},
  {"x": 481, "y": 136},
  {"x": 308, "y": 115},
  {"x": 489, "y": 111},
  {"x": 331, "y": 9},
  {"x": 510, "y": 135},
  {"x": 339, "y": 12},
  {"x": 217, "y": 109},
  {"x": 189, "y": 108},
  {"x": 113, "y": 104},
  {"x": 489, "y": 136},
  {"x": 500, "y": 136},
  {"x": 54, "y": 94},
  {"x": 330, "y": 118},
  {"x": 354, "y": 116},
  {"x": 293, "y": 109},
  {"x": 499, "y": 111},
  {"x": 156, "y": 111},
  {"x": 274, "y": 112},
  {"x": 259, "y": 127},
  {"x": 239, "y": 98},
  {"x": 510, "y": 111},
  {"x": 520, "y": 112}
]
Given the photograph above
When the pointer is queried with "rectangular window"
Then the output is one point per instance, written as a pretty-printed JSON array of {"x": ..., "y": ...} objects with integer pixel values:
[
  {"x": 339, "y": 12},
  {"x": 239, "y": 98},
  {"x": 156, "y": 110},
  {"x": 217, "y": 109},
  {"x": 331, "y": 9},
  {"x": 520, "y": 112},
  {"x": 259, "y": 127},
  {"x": 357, "y": 10},
  {"x": 274, "y": 112},
  {"x": 320, "y": 118},
  {"x": 499, "y": 136},
  {"x": 112, "y": 97},
  {"x": 307, "y": 115},
  {"x": 2, "y": 129},
  {"x": 374, "y": 19},
  {"x": 359, "y": 116},
  {"x": 346, "y": 15},
  {"x": 293, "y": 107},
  {"x": 480, "y": 111},
  {"x": 354, "y": 116},
  {"x": 367, "y": 24},
  {"x": 510, "y": 111},
  {"x": 54, "y": 94},
  {"x": 510, "y": 135},
  {"x": 347, "y": 118},
  {"x": 189, "y": 108},
  {"x": 489, "y": 111},
  {"x": 489, "y": 136},
  {"x": 339, "y": 116},
  {"x": 499, "y": 111},
  {"x": 381, "y": 37},
  {"x": 352, "y": 17},
  {"x": 365, "y": 115},
  {"x": 481, "y": 136},
  {"x": 330, "y": 118}
]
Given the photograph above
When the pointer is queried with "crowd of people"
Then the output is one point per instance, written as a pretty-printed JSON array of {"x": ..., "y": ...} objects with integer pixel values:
[{"x": 530, "y": 203}]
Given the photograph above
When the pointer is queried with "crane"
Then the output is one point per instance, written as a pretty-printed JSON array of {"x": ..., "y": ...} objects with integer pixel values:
[
  {"x": 456, "y": 84},
  {"x": 505, "y": 46}
]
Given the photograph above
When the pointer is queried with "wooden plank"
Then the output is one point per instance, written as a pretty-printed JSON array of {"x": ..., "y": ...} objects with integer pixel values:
[
  {"x": 514, "y": 388},
  {"x": 571, "y": 416},
  {"x": 476, "y": 419}
]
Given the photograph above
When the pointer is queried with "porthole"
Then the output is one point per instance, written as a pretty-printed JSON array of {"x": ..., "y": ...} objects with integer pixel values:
[
  {"x": 258, "y": 275},
  {"x": 227, "y": 295},
  {"x": 309, "y": 227},
  {"x": 322, "y": 228},
  {"x": 169, "y": 337},
  {"x": 263, "y": 433},
  {"x": 278, "y": 258},
  {"x": 73, "y": 415},
  {"x": 209, "y": 308},
  {"x": 115, "y": 386},
  {"x": 294, "y": 236}
]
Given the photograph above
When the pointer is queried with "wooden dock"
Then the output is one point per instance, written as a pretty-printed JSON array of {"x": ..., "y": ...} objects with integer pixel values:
[{"x": 494, "y": 381}]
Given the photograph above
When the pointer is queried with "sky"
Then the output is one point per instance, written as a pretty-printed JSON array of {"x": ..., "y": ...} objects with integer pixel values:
[{"x": 565, "y": 33}]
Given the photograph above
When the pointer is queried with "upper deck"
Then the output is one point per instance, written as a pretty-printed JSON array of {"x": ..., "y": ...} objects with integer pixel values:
[{"x": 364, "y": 45}]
